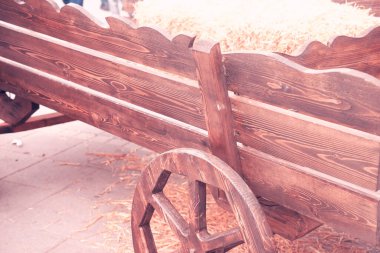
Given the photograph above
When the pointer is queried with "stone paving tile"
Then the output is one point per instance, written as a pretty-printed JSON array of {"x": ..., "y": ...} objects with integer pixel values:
[
  {"x": 6, "y": 139},
  {"x": 13, "y": 160},
  {"x": 91, "y": 152},
  {"x": 48, "y": 144},
  {"x": 15, "y": 198},
  {"x": 17, "y": 238},
  {"x": 76, "y": 246},
  {"x": 61, "y": 214},
  {"x": 50, "y": 175}
]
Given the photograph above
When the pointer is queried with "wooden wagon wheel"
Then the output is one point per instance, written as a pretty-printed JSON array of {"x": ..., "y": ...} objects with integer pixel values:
[
  {"x": 17, "y": 110},
  {"x": 200, "y": 168}
]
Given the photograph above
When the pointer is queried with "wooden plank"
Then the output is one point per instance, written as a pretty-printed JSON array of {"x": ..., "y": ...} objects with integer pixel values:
[
  {"x": 344, "y": 206},
  {"x": 143, "y": 127},
  {"x": 178, "y": 98},
  {"x": 361, "y": 53},
  {"x": 338, "y": 151},
  {"x": 374, "y": 5},
  {"x": 216, "y": 102},
  {"x": 117, "y": 36},
  {"x": 343, "y": 96},
  {"x": 36, "y": 122}
]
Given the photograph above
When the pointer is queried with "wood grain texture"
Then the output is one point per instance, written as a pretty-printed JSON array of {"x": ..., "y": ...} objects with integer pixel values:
[
  {"x": 343, "y": 96},
  {"x": 346, "y": 207},
  {"x": 155, "y": 90},
  {"x": 35, "y": 122},
  {"x": 374, "y": 5},
  {"x": 218, "y": 113},
  {"x": 117, "y": 36},
  {"x": 120, "y": 118},
  {"x": 338, "y": 151},
  {"x": 276, "y": 179},
  {"x": 361, "y": 53},
  {"x": 200, "y": 169}
]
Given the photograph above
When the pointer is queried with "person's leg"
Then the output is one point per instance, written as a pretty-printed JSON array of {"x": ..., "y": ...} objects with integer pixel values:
[
  {"x": 105, "y": 5},
  {"x": 114, "y": 7},
  {"x": 80, "y": 2}
]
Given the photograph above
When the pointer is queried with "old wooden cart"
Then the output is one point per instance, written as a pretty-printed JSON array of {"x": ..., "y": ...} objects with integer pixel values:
[{"x": 306, "y": 139}]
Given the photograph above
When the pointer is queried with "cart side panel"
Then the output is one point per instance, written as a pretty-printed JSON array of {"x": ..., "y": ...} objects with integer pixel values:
[
  {"x": 117, "y": 37},
  {"x": 131, "y": 122},
  {"x": 335, "y": 150},
  {"x": 159, "y": 91},
  {"x": 161, "y": 134},
  {"x": 345, "y": 207},
  {"x": 361, "y": 53},
  {"x": 347, "y": 97}
]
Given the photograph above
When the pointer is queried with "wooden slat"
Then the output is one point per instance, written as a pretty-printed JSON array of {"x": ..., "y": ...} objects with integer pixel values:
[
  {"x": 117, "y": 36},
  {"x": 374, "y": 5},
  {"x": 154, "y": 90},
  {"x": 361, "y": 53},
  {"x": 120, "y": 118},
  {"x": 335, "y": 150},
  {"x": 346, "y": 207},
  {"x": 217, "y": 104},
  {"x": 36, "y": 122},
  {"x": 344, "y": 96},
  {"x": 218, "y": 114}
]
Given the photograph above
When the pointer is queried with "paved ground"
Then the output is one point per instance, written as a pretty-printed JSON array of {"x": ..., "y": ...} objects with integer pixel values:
[{"x": 58, "y": 188}]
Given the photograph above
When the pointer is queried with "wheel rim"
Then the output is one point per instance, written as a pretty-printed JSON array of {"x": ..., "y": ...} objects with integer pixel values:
[{"x": 200, "y": 168}]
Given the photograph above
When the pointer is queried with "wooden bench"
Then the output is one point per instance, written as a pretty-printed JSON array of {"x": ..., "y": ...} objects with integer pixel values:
[{"x": 305, "y": 139}]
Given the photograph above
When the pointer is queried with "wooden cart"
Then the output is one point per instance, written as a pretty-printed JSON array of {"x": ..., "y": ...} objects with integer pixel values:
[{"x": 278, "y": 125}]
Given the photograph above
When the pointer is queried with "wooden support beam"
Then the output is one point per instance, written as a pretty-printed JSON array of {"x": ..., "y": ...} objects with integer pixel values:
[
  {"x": 218, "y": 113},
  {"x": 36, "y": 122},
  {"x": 15, "y": 111}
]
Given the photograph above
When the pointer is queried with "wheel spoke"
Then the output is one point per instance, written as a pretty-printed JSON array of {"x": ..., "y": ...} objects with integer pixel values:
[
  {"x": 172, "y": 216},
  {"x": 224, "y": 240},
  {"x": 197, "y": 205}
]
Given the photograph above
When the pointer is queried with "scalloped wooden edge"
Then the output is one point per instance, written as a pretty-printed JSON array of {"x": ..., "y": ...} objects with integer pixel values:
[
  {"x": 333, "y": 42},
  {"x": 75, "y": 12}
]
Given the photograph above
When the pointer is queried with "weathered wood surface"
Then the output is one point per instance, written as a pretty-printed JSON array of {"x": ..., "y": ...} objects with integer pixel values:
[
  {"x": 36, "y": 122},
  {"x": 361, "y": 53},
  {"x": 200, "y": 168},
  {"x": 160, "y": 135},
  {"x": 343, "y": 96},
  {"x": 218, "y": 113},
  {"x": 159, "y": 91},
  {"x": 344, "y": 206},
  {"x": 374, "y": 5},
  {"x": 180, "y": 99},
  {"x": 117, "y": 37},
  {"x": 121, "y": 118},
  {"x": 342, "y": 152},
  {"x": 15, "y": 111}
]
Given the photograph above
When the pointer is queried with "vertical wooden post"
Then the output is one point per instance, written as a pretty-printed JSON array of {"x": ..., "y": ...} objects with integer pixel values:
[{"x": 218, "y": 112}]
